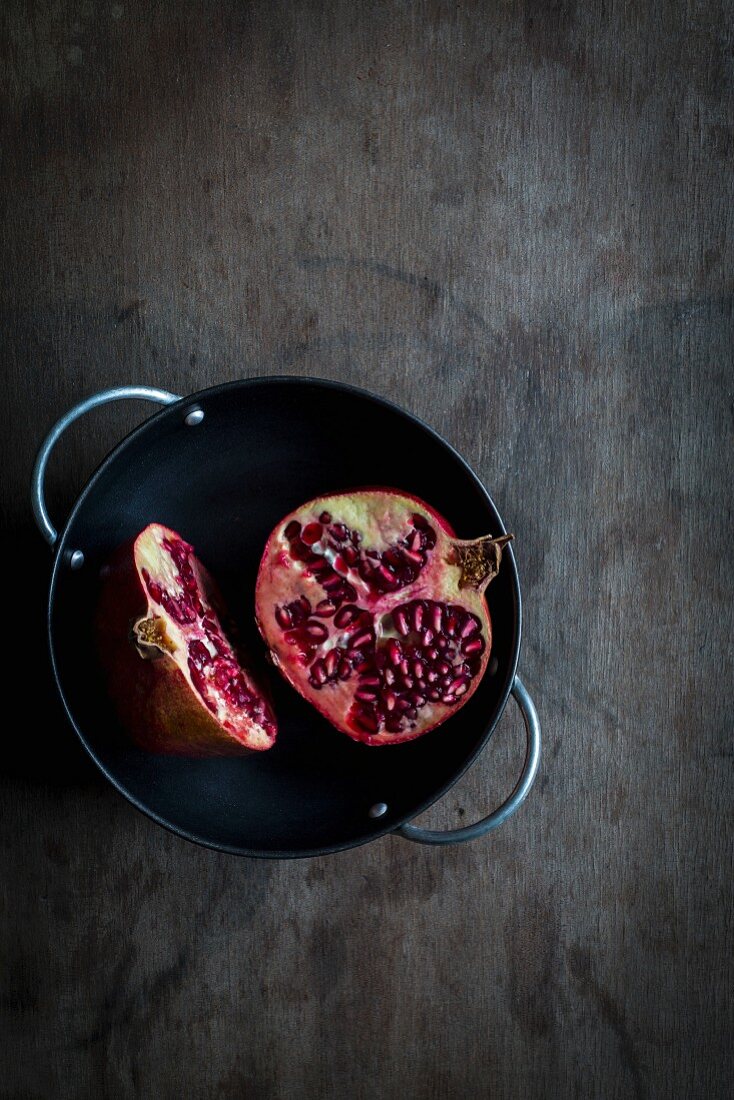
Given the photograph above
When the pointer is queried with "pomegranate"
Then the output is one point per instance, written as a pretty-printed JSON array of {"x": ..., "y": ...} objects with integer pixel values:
[
  {"x": 375, "y": 612},
  {"x": 172, "y": 671}
]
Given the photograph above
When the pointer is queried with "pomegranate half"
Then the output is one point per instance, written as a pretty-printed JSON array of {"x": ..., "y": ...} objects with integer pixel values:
[
  {"x": 176, "y": 680},
  {"x": 375, "y": 612}
]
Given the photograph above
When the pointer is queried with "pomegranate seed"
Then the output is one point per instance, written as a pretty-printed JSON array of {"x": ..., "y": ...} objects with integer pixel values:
[
  {"x": 346, "y": 615},
  {"x": 199, "y": 654},
  {"x": 390, "y": 701},
  {"x": 407, "y": 683},
  {"x": 394, "y": 652},
  {"x": 418, "y": 616},
  {"x": 340, "y": 565},
  {"x": 427, "y": 637},
  {"x": 360, "y": 639},
  {"x": 463, "y": 686},
  {"x": 385, "y": 573},
  {"x": 471, "y": 625},
  {"x": 367, "y": 721},
  {"x": 350, "y": 554},
  {"x": 417, "y": 669},
  {"x": 450, "y": 627},
  {"x": 311, "y": 533},
  {"x": 449, "y": 699},
  {"x": 338, "y": 531},
  {"x": 331, "y": 661},
  {"x": 325, "y": 608},
  {"x": 344, "y": 671},
  {"x": 325, "y": 517},
  {"x": 431, "y": 654},
  {"x": 349, "y": 592},
  {"x": 401, "y": 623},
  {"x": 413, "y": 557},
  {"x": 455, "y": 684},
  {"x": 433, "y": 695},
  {"x": 283, "y": 617},
  {"x": 318, "y": 671},
  {"x": 404, "y": 667},
  {"x": 437, "y": 617},
  {"x": 472, "y": 646},
  {"x": 441, "y": 642},
  {"x": 365, "y": 695},
  {"x": 316, "y": 631},
  {"x": 442, "y": 668},
  {"x": 293, "y": 529},
  {"x": 402, "y": 704},
  {"x": 389, "y": 677},
  {"x": 432, "y": 677},
  {"x": 416, "y": 699},
  {"x": 332, "y": 583},
  {"x": 414, "y": 541}
]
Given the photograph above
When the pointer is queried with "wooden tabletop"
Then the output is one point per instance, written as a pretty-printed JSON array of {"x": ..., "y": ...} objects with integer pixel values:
[{"x": 515, "y": 220}]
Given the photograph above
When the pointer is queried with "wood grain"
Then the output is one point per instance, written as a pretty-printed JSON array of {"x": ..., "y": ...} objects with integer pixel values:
[{"x": 515, "y": 220}]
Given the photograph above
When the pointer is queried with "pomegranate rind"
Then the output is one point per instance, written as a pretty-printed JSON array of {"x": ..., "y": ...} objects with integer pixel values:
[
  {"x": 383, "y": 518},
  {"x": 151, "y": 685}
]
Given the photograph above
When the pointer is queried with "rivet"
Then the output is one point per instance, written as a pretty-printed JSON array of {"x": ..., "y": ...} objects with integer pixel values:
[
  {"x": 193, "y": 418},
  {"x": 76, "y": 561},
  {"x": 378, "y": 809}
]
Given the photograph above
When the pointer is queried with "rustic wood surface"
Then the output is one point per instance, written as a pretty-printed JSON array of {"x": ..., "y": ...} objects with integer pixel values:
[{"x": 515, "y": 220}]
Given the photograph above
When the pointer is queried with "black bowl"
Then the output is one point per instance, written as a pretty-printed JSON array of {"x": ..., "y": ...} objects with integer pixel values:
[{"x": 265, "y": 445}]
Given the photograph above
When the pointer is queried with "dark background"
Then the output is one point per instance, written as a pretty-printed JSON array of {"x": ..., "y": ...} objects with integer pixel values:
[{"x": 514, "y": 219}]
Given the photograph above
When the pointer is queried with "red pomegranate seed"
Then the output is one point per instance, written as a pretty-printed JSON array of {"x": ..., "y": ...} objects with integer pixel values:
[
  {"x": 472, "y": 646},
  {"x": 360, "y": 639},
  {"x": 332, "y": 583},
  {"x": 433, "y": 695},
  {"x": 442, "y": 668},
  {"x": 471, "y": 626},
  {"x": 293, "y": 529},
  {"x": 344, "y": 670},
  {"x": 417, "y": 669},
  {"x": 456, "y": 684},
  {"x": 311, "y": 533},
  {"x": 339, "y": 532},
  {"x": 437, "y": 617},
  {"x": 418, "y": 616},
  {"x": 318, "y": 671},
  {"x": 427, "y": 637},
  {"x": 401, "y": 623},
  {"x": 325, "y": 517},
  {"x": 325, "y": 608},
  {"x": 283, "y": 617},
  {"x": 331, "y": 661},
  {"x": 365, "y": 695},
  {"x": 340, "y": 565},
  {"x": 412, "y": 557},
  {"x": 315, "y": 631},
  {"x": 390, "y": 701},
  {"x": 416, "y": 699},
  {"x": 414, "y": 541},
  {"x": 389, "y": 677},
  {"x": 346, "y": 615},
  {"x": 432, "y": 677}
]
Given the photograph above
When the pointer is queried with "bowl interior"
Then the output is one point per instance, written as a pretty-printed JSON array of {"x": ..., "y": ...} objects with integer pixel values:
[{"x": 263, "y": 448}]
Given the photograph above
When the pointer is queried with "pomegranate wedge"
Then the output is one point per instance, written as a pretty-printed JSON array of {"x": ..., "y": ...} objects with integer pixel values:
[
  {"x": 172, "y": 672},
  {"x": 375, "y": 612}
]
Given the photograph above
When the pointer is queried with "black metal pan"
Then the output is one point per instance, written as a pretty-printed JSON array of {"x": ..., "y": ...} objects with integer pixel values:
[{"x": 222, "y": 467}]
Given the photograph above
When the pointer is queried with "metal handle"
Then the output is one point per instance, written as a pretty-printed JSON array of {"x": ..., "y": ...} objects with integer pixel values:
[
  {"x": 46, "y": 527},
  {"x": 518, "y": 796}
]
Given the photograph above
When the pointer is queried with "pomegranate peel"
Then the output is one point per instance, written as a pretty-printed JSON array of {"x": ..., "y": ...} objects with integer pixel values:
[
  {"x": 176, "y": 678},
  {"x": 375, "y": 612}
]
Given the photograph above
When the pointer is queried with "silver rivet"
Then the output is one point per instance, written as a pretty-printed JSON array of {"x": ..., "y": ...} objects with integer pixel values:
[
  {"x": 194, "y": 417},
  {"x": 378, "y": 809},
  {"x": 76, "y": 561}
]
